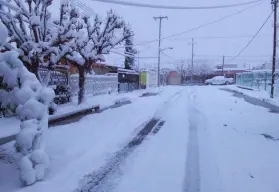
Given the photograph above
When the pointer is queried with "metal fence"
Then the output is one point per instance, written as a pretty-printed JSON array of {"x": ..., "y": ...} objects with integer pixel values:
[
  {"x": 127, "y": 87},
  {"x": 94, "y": 84},
  {"x": 260, "y": 80},
  {"x": 58, "y": 81}
]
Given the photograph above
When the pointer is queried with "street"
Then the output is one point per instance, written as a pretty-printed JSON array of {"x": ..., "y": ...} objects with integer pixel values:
[
  {"x": 121, "y": 96},
  {"x": 210, "y": 141},
  {"x": 188, "y": 139}
]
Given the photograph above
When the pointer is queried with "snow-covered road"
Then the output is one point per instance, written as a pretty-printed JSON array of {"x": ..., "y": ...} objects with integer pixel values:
[
  {"x": 210, "y": 142},
  {"x": 205, "y": 140}
]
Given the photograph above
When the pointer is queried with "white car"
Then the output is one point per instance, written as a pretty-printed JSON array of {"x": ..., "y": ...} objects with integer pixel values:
[{"x": 219, "y": 80}]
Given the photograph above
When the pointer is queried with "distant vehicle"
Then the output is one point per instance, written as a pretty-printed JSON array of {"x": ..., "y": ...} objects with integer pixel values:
[{"x": 219, "y": 80}]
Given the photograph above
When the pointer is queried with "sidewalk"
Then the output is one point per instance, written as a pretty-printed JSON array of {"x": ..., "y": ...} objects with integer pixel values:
[
  {"x": 258, "y": 94},
  {"x": 11, "y": 125},
  {"x": 82, "y": 147}
]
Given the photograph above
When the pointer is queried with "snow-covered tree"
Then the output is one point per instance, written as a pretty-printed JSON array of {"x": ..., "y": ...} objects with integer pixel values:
[
  {"x": 74, "y": 38},
  {"x": 164, "y": 75},
  {"x": 98, "y": 39},
  {"x": 129, "y": 61},
  {"x": 182, "y": 68},
  {"x": 202, "y": 67},
  {"x": 39, "y": 41},
  {"x": 30, "y": 99}
]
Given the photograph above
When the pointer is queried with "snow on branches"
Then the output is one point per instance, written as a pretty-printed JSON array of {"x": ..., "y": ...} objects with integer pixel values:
[
  {"x": 40, "y": 41},
  {"x": 25, "y": 93},
  {"x": 129, "y": 50},
  {"x": 76, "y": 38},
  {"x": 98, "y": 39}
]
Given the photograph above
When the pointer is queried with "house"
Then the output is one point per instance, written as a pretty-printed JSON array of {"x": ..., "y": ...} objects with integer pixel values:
[
  {"x": 228, "y": 70},
  {"x": 148, "y": 78},
  {"x": 97, "y": 68},
  {"x": 174, "y": 78},
  {"x": 128, "y": 80}
]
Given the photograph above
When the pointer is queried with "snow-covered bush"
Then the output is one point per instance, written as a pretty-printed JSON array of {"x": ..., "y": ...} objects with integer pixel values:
[{"x": 31, "y": 101}]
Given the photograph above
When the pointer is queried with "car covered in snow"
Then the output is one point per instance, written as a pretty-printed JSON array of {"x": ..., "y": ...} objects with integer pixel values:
[{"x": 219, "y": 80}]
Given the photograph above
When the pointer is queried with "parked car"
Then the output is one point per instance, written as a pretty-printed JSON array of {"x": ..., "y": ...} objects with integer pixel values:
[{"x": 219, "y": 80}]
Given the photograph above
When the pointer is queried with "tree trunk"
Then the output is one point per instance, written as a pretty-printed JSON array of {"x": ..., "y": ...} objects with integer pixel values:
[
  {"x": 81, "y": 72},
  {"x": 33, "y": 68}
]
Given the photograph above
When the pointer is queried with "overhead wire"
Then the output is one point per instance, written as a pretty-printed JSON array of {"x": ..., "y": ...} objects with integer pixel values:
[
  {"x": 247, "y": 45},
  {"x": 218, "y": 37},
  {"x": 168, "y": 56},
  {"x": 175, "y": 7},
  {"x": 85, "y": 8},
  {"x": 198, "y": 27},
  {"x": 127, "y": 55}
]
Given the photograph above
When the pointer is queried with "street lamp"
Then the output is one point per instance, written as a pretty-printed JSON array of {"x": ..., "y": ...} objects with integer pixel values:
[{"x": 159, "y": 60}]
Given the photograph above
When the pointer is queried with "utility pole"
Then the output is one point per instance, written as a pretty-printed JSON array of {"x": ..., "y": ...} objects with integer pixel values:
[
  {"x": 159, "y": 48},
  {"x": 192, "y": 67},
  {"x": 223, "y": 64},
  {"x": 275, "y": 3},
  {"x": 138, "y": 61}
]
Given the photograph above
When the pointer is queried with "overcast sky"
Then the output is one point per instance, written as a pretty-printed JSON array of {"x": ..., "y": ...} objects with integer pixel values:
[{"x": 146, "y": 28}]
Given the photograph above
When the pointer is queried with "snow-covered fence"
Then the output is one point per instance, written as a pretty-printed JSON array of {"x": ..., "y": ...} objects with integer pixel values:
[
  {"x": 58, "y": 81},
  {"x": 127, "y": 87},
  {"x": 259, "y": 79},
  {"x": 95, "y": 84}
]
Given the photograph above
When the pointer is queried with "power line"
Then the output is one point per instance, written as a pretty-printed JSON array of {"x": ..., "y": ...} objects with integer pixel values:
[
  {"x": 219, "y": 37},
  {"x": 127, "y": 55},
  {"x": 198, "y": 27},
  {"x": 252, "y": 38},
  {"x": 175, "y": 7},
  {"x": 85, "y": 8},
  {"x": 168, "y": 56},
  {"x": 243, "y": 56}
]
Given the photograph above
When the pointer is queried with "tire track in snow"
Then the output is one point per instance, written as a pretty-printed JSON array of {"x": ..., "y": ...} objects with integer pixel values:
[
  {"x": 103, "y": 179},
  {"x": 202, "y": 171},
  {"x": 192, "y": 172}
]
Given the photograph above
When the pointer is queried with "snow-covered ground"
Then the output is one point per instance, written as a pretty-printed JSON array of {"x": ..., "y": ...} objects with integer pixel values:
[
  {"x": 12, "y": 124},
  {"x": 259, "y": 94},
  {"x": 211, "y": 141},
  {"x": 81, "y": 147}
]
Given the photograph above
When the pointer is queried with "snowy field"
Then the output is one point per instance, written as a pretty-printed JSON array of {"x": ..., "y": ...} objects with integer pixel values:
[{"x": 210, "y": 141}]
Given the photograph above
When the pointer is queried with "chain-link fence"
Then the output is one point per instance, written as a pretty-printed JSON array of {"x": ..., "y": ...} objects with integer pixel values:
[
  {"x": 94, "y": 85},
  {"x": 59, "y": 81},
  {"x": 127, "y": 87},
  {"x": 260, "y": 80}
]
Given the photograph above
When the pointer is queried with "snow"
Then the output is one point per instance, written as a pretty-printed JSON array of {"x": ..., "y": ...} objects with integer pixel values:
[
  {"x": 32, "y": 109},
  {"x": 243, "y": 158},
  {"x": 79, "y": 148},
  {"x": 35, "y": 20},
  {"x": 27, "y": 172},
  {"x": 159, "y": 164},
  {"x": 4, "y": 34},
  {"x": 31, "y": 101},
  {"x": 211, "y": 142},
  {"x": 25, "y": 138},
  {"x": 259, "y": 94},
  {"x": 12, "y": 126}
]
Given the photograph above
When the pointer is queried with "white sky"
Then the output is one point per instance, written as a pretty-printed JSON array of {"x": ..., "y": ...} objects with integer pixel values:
[{"x": 146, "y": 28}]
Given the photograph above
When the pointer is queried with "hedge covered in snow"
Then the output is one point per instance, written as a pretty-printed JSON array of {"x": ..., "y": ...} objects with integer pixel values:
[{"x": 30, "y": 99}]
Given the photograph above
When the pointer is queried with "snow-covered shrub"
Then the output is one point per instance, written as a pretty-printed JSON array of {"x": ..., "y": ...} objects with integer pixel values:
[{"x": 32, "y": 101}]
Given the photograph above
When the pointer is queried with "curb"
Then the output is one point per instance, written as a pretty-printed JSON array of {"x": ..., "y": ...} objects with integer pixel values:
[
  {"x": 268, "y": 104},
  {"x": 62, "y": 117},
  {"x": 246, "y": 88}
]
